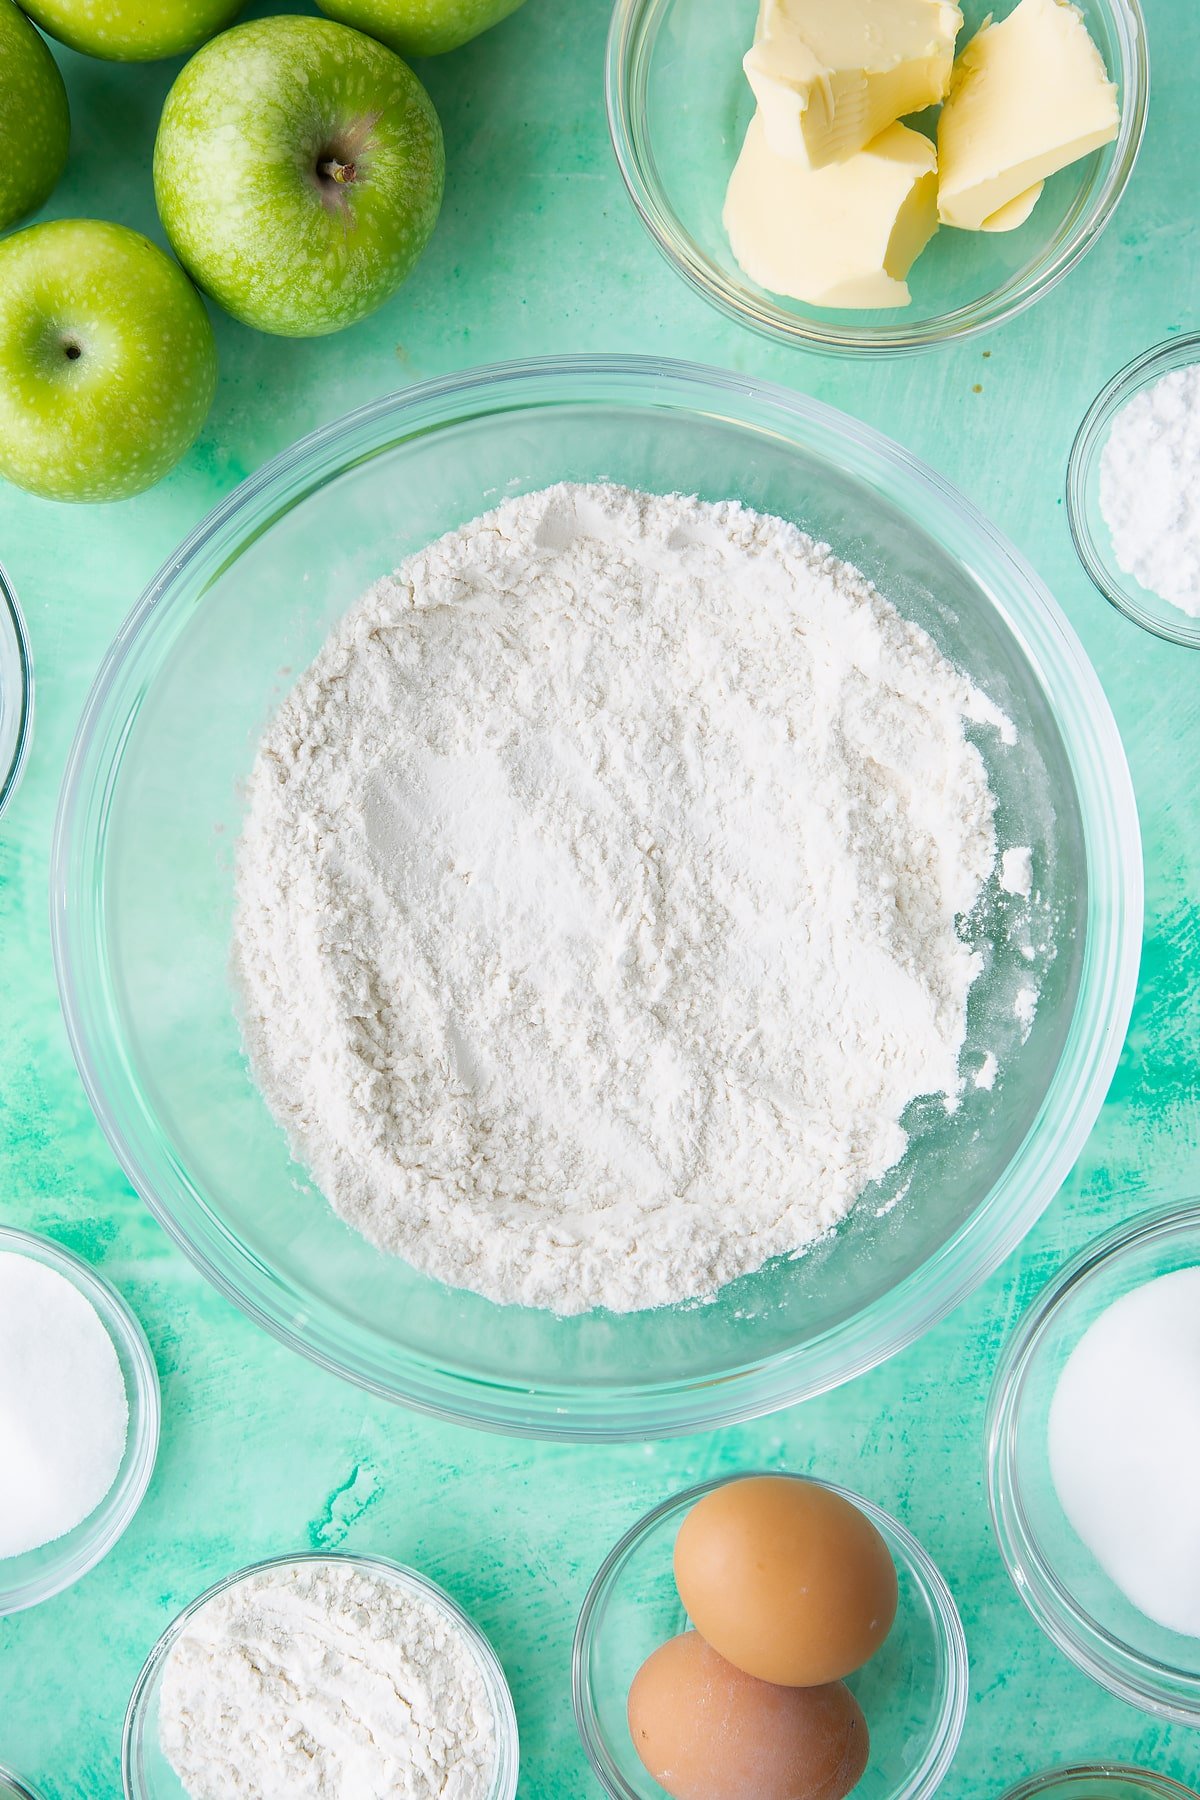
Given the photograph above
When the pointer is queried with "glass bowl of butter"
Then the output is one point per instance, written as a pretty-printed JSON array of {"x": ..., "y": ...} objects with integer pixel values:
[{"x": 876, "y": 176}]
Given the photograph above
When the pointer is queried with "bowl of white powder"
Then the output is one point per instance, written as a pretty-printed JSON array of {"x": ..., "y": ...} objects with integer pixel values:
[
  {"x": 79, "y": 1418},
  {"x": 597, "y": 897},
  {"x": 1133, "y": 491},
  {"x": 16, "y": 692},
  {"x": 327, "y": 1676},
  {"x": 1094, "y": 1461}
]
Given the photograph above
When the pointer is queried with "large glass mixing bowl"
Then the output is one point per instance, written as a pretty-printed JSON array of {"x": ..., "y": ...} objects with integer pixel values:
[{"x": 142, "y": 896}]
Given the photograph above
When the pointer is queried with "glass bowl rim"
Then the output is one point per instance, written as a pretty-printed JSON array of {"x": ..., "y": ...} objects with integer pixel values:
[
  {"x": 1066, "y": 678},
  {"x": 489, "y": 1664},
  {"x": 1161, "y": 1787},
  {"x": 14, "y": 1787},
  {"x": 16, "y": 641},
  {"x": 71, "y": 1557},
  {"x": 1142, "y": 1681},
  {"x": 1181, "y": 351},
  {"x": 924, "y": 1781},
  {"x": 630, "y": 19}
]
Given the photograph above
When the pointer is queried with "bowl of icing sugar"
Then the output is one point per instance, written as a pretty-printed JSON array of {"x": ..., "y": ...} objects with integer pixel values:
[
  {"x": 597, "y": 897},
  {"x": 1133, "y": 491}
]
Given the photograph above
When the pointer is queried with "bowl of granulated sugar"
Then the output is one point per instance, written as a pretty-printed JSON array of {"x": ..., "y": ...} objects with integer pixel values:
[
  {"x": 79, "y": 1418},
  {"x": 1094, "y": 1461},
  {"x": 1133, "y": 491}
]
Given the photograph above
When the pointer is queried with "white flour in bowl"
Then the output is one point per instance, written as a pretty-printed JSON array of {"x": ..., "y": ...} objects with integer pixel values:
[
  {"x": 600, "y": 898},
  {"x": 321, "y": 1680}
]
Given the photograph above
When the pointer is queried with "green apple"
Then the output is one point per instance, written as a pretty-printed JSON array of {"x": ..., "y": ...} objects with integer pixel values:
[
  {"x": 132, "y": 30},
  {"x": 107, "y": 361},
  {"x": 421, "y": 27},
  {"x": 298, "y": 172},
  {"x": 34, "y": 121}
]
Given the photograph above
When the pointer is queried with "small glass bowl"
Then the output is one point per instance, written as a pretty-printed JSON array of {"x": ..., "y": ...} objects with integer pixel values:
[
  {"x": 1076, "y": 1604},
  {"x": 1088, "y": 527},
  {"x": 145, "y": 1771},
  {"x": 13, "y": 1788},
  {"x": 913, "y": 1693},
  {"x": 38, "y": 1574},
  {"x": 16, "y": 692},
  {"x": 678, "y": 107},
  {"x": 1099, "y": 1781}
]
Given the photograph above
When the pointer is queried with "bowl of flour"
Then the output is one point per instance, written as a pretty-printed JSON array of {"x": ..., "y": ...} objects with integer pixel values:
[
  {"x": 322, "y": 1676},
  {"x": 596, "y": 899}
]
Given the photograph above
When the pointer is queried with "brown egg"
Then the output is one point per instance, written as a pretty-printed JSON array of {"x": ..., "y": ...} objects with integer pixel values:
[
  {"x": 785, "y": 1579},
  {"x": 705, "y": 1731}
]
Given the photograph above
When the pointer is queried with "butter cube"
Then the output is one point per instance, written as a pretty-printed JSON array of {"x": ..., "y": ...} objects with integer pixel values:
[
  {"x": 830, "y": 75},
  {"x": 844, "y": 235},
  {"x": 1028, "y": 96}
]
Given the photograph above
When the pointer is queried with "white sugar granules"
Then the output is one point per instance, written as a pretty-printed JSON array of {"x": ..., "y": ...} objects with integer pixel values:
[
  {"x": 1125, "y": 1446},
  {"x": 320, "y": 1680},
  {"x": 64, "y": 1413},
  {"x": 599, "y": 898},
  {"x": 1150, "y": 488}
]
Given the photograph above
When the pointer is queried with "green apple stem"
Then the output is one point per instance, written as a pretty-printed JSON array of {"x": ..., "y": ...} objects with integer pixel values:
[{"x": 331, "y": 169}]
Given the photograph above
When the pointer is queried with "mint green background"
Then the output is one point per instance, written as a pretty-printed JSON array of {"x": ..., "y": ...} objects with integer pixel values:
[{"x": 539, "y": 251}]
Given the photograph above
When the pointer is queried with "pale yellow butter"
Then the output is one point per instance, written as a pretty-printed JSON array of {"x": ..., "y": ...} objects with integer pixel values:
[
  {"x": 1029, "y": 95},
  {"x": 830, "y": 75},
  {"x": 845, "y": 235},
  {"x": 1016, "y": 212}
]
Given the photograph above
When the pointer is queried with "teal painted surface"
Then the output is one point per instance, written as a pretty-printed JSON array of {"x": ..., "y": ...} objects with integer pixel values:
[{"x": 539, "y": 251}]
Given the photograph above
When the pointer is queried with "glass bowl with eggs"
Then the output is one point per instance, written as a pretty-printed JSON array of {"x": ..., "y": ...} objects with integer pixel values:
[
  {"x": 773, "y": 1634},
  {"x": 154, "y": 803},
  {"x": 1092, "y": 1461},
  {"x": 680, "y": 109}
]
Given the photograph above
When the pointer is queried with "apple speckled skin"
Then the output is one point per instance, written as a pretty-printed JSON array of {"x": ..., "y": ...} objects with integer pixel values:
[
  {"x": 132, "y": 30},
  {"x": 35, "y": 123},
  {"x": 298, "y": 171},
  {"x": 108, "y": 362},
  {"x": 421, "y": 27}
]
